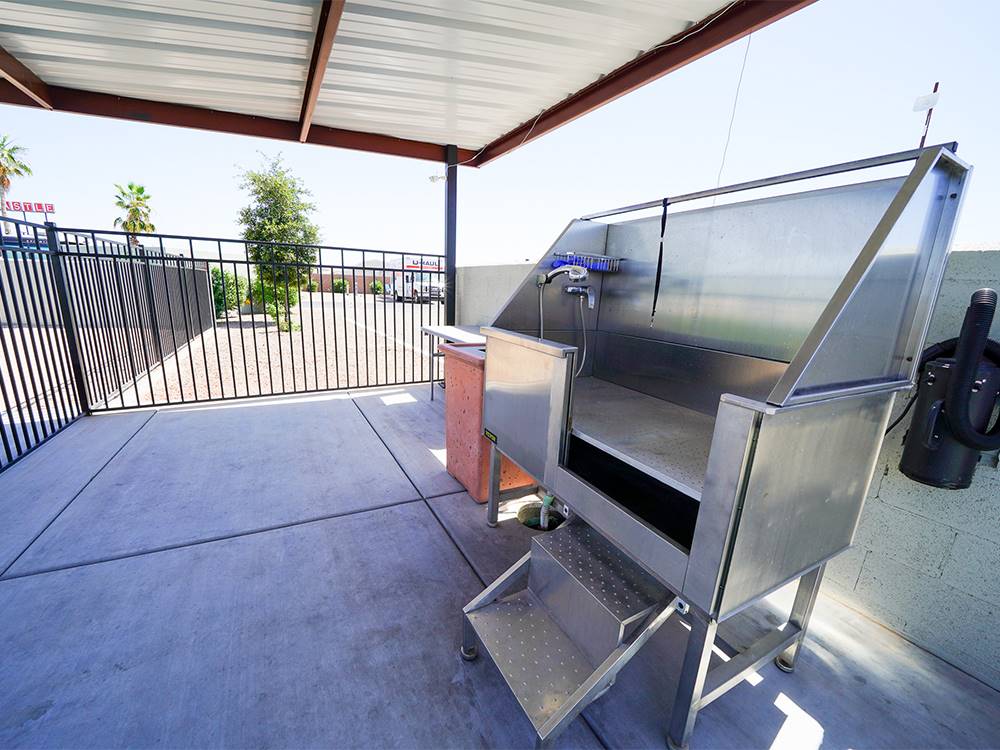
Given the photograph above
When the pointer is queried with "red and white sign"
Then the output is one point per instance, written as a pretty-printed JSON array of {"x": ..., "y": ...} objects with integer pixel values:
[
  {"x": 418, "y": 263},
  {"x": 31, "y": 207}
]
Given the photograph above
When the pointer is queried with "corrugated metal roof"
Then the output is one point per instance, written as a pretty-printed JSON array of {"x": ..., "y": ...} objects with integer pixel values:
[
  {"x": 467, "y": 71},
  {"x": 404, "y": 76},
  {"x": 248, "y": 56}
]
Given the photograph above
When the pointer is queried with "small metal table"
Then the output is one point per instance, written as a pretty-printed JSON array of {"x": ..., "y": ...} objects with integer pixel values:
[{"x": 448, "y": 335}]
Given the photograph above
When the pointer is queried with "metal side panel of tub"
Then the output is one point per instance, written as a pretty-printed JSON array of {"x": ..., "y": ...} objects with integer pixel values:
[
  {"x": 526, "y": 398},
  {"x": 809, "y": 473}
]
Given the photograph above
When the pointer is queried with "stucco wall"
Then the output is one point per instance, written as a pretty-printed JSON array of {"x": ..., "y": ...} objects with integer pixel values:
[{"x": 926, "y": 562}]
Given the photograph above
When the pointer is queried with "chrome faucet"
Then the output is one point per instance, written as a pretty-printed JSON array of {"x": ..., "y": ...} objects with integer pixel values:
[
  {"x": 582, "y": 290},
  {"x": 576, "y": 274}
]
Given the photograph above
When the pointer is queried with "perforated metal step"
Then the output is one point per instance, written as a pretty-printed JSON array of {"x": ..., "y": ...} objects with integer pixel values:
[
  {"x": 596, "y": 594},
  {"x": 608, "y": 574},
  {"x": 585, "y": 602},
  {"x": 540, "y": 663}
]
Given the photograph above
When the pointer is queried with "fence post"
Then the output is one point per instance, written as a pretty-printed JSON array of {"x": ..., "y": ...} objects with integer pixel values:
[
  {"x": 450, "y": 233},
  {"x": 154, "y": 318},
  {"x": 66, "y": 313}
]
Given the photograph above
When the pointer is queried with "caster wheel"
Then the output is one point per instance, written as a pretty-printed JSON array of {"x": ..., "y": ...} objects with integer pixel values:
[
  {"x": 783, "y": 666},
  {"x": 469, "y": 655}
]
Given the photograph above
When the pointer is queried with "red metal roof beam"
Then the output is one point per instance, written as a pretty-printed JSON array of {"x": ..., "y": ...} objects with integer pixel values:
[
  {"x": 721, "y": 28},
  {"x": 24, "y": 80},
  {"x": 326, "y": 30},
  {"x": 185, "y": 116}
]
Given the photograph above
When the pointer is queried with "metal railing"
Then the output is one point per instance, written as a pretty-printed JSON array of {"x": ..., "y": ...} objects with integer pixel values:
[
  {"x": 157, "y": 319},
  {"x": 38, "y": 393},
  {"x": 132, "y": 309}
]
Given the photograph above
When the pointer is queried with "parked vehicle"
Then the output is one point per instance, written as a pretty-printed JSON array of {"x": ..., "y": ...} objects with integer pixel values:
[{"x": 418, "y": 286}]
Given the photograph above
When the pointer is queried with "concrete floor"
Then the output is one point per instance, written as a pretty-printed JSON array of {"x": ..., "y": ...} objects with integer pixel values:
[{"x": 290, "y": 573}]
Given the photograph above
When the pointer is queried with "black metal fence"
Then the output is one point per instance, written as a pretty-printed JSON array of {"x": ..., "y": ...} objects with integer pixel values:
[
  {"x": 38, "y": 393},
  {"x": 128, "y": 321},
  {"x": 131, "y": 308}
]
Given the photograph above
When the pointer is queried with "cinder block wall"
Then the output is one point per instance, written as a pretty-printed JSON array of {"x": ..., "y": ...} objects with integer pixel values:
[{"x": 926, "y": 562}]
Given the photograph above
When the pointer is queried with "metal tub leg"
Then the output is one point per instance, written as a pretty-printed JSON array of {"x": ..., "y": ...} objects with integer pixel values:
[
  {"x": 805, "y": 600},
  {"x": 692, "y": 680},
  {"x": 430, "y": 362},
  {"x": 469, "y": 648},
  {"x": 493, "y": 505}
]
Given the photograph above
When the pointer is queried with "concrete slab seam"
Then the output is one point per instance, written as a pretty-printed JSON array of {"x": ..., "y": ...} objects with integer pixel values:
[
  {"x": 444, "y": 494},
  {"x": 454, "y": 542},
  {"x": 210, "y": 540},
  {"x": 388, "y": 449},
  {"x": 75, "y": 496}
]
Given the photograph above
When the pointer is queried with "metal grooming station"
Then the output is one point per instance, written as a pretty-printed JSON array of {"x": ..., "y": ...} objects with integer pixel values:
[
  {"x": 714, "y": 454},
  {"x": 448, "y": 335}
]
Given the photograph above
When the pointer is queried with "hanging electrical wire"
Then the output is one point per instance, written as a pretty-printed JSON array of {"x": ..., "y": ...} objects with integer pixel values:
[
  {"x": 732, "y": 115},
  {"x": 697, "y": 29}
]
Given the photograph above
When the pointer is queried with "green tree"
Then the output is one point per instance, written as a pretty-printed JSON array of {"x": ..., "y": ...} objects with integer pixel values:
[
  {"x": 134, "y": 201},
  {"x": 228, "y": 290},
  {"x": 279, "y": 215},
  {"x": 11, "y": 165}
]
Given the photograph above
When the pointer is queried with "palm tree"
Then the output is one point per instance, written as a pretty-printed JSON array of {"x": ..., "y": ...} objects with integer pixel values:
[
  {"x": 10, "y": 166},
  {"x": 134, "y": 201}
]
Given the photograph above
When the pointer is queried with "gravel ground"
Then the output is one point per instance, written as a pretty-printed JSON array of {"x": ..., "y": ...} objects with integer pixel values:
[{"x": 340, "y": 341}]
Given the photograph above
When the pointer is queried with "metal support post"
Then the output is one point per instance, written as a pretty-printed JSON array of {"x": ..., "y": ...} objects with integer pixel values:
[
  {"x": 493, "y": 505},
  {"x": 66, "y": 313},
  {"x": 450, "y": 232},
  {"x": 430, "y": 361},
  {"x": 469, "y": 648},
  {"x": 805, "y": 600},
  {"x": 692, "y": 680}
]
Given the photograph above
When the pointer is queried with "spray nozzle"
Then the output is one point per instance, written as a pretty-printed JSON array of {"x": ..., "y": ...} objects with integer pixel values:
[{"x": 575, "y": 273}]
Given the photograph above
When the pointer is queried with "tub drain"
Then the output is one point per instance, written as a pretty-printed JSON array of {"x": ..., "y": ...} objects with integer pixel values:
[{"x": 530, "y": 514}]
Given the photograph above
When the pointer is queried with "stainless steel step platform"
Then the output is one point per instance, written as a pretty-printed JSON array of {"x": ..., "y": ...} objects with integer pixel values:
[
  {"x": 563, "y": 621},
  {"x": 541, "y": 665},
  {"x": 596, "y": 594}
]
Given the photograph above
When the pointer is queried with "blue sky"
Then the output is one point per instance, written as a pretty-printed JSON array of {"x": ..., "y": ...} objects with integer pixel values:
[{"x": 833, "y": 82}]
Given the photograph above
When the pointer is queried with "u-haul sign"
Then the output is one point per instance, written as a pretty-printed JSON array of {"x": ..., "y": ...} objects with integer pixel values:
[
  {"x": 422, "y": 263},
  {"x": 31, "y": 207}
]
